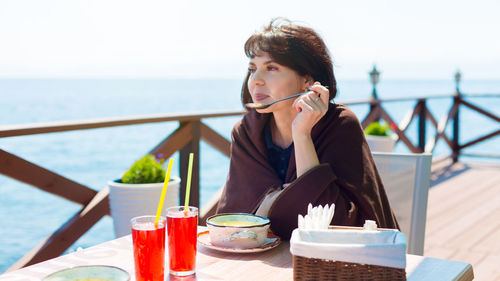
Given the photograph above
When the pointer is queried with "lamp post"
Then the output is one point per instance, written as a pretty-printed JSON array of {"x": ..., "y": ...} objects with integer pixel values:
[
  {"x": 374, "y": 78},
  {"x": 458, "y": 77}
]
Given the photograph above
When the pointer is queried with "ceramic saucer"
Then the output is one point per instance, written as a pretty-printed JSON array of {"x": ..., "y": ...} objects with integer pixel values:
[
  {"x": 271, "y": 242},
  {"x": 89, "y": 272}
]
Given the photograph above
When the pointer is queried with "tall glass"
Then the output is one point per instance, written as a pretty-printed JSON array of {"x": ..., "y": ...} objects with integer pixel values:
[
  {"x": 182, "y": 230},
  {"x": 149, "y": 248}
]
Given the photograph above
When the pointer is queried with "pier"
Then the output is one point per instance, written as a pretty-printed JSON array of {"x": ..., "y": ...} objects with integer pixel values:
[
  {"x": 463, "y": 210},
  {"x": 463, "y": 215}
]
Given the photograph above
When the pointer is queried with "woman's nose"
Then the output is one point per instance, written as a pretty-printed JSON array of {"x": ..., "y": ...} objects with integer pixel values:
[{"x": 256, "y": 79}]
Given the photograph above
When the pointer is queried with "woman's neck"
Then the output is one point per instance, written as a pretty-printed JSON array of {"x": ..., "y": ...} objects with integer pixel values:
[{"x": 281, "y": 128}]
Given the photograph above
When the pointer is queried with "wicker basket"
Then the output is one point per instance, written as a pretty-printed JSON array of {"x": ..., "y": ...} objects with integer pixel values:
[
  {"x": 315, "y": 268},
  {"x": 306, "y": 269}
]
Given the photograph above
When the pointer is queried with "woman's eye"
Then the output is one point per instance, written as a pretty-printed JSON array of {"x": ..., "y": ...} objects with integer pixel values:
[
  {"x": 272, "y": 68},
  {"x": 251, "y": 70}
]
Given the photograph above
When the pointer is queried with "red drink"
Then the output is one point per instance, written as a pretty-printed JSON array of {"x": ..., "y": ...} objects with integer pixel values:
[
  {"x": 149, "y": 248},
  {"x": 182, "y": 237}
]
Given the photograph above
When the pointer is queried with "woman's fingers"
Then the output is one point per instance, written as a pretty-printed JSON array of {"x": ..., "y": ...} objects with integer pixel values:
[
  {"x": 322, "y": 91},
  {"x": 316, "y": 100},
  {"x": 312, "y": 107},
  {"x": 304, "y": 106},
  {"x": 305, "y": 103}
]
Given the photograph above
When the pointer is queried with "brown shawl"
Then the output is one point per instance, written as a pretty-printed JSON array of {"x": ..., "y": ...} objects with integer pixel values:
[{"x": 347, "y": 175}]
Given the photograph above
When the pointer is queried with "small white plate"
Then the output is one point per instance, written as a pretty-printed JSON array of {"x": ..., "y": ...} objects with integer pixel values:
[
  {"x": 271, "y": 242},
  {"x": 89, "y": 272}
]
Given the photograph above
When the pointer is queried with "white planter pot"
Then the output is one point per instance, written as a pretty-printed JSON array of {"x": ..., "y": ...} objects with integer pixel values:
[
  {"x": 131, "y": 200},
  {"x": 381, "y": 143}
]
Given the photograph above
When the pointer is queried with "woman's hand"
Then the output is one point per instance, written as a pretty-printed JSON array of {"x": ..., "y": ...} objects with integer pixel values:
[{"x": 311, "y": 107}]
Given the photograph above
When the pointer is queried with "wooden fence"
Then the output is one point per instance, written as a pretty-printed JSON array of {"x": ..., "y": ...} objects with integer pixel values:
[{"x": 185, "y": 139}]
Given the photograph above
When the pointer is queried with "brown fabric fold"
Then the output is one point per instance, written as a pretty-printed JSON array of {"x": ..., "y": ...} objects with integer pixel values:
[{"x": 347, "y": 175}]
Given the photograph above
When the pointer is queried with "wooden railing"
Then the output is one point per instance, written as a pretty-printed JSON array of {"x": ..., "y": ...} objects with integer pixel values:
[
  {"x": 422, "y": 112},
  {"x": 185, "y": 139}
]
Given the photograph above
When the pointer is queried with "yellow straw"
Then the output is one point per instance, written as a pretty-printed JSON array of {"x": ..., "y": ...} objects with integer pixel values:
[
  {"x": 188, "y": 183},
  {"x": 163, "y": 192}
]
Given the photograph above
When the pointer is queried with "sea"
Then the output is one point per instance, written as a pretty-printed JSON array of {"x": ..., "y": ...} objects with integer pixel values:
[{"x": 94, "y": 157}]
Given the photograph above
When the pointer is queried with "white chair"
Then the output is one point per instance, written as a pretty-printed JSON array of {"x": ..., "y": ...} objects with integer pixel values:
[{"x": 406, "y": 179}]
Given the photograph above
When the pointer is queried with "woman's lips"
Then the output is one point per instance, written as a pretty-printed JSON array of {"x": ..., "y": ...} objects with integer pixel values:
[{"x": 260, "y": 97}]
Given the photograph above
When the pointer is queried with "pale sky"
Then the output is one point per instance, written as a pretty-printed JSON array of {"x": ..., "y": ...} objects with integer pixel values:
[{"x": 194, "y": 39}]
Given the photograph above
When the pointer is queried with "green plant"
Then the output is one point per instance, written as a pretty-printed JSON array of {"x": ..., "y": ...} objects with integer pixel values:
[
  {"x": 145, "y": 170},
  {"x": 377, "y": 129}
]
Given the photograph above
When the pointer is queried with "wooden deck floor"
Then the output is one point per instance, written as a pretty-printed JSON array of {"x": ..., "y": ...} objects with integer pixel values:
[{"x": 463, "y": 216}]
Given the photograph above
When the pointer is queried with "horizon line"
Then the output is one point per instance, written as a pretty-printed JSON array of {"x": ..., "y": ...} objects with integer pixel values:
[{"x": 128, "y": 77}]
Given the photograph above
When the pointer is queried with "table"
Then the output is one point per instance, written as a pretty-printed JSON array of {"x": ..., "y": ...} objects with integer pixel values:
[{"x": 275, "y": 264}]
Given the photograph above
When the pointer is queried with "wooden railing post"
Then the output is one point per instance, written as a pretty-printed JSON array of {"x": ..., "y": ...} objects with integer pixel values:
[
  {"x": 194, "y": 147},
  {"x": 422, "y": 124},
  {"x": 456, "y": 130},
  {"x": 456, "y": 118},
  {"x": 375, "y": 107}
]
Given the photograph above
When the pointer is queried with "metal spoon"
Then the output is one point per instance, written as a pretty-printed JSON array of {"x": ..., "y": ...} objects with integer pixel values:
[{"x": 256, "y": 105}]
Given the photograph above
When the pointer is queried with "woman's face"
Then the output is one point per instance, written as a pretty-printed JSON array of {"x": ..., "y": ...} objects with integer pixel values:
[{"x": 269, "y": 81}]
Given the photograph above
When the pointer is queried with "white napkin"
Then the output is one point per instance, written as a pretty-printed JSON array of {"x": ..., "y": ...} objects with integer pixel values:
[{"x": 317, "y": 218}]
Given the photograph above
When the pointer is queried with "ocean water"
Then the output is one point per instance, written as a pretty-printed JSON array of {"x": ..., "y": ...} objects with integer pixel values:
[{"x": 93, "y": 157}]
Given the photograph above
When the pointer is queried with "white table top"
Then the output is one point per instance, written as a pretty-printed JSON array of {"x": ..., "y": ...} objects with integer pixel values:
[{"x": 275, "y": 264}]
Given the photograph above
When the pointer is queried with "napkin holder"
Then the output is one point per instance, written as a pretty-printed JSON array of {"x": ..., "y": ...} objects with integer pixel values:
[{"x": 348, "y": 253}]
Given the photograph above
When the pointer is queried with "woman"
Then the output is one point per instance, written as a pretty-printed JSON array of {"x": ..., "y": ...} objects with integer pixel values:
[{"x": 303, "y": 150}]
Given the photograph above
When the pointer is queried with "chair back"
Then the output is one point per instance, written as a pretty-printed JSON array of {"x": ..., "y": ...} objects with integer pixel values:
[{"x": 406, "y": 179}]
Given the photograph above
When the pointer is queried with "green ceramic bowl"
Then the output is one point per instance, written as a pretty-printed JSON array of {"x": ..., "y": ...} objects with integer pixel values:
[
  {"x": 238, "y": 230},
  {"x": 90, "y": 272}
]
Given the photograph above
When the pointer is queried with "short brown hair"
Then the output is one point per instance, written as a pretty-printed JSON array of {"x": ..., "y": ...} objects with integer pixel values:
[{"x": 297, "y": 47}]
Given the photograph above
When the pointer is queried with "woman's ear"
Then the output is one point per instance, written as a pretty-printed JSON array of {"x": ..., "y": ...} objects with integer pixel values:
[{"x": 308, "y": 81}]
